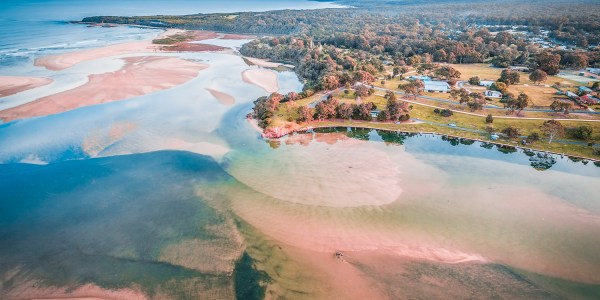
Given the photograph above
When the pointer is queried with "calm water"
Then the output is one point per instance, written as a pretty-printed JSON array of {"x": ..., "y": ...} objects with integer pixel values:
[{"x": 174, "y": 195}]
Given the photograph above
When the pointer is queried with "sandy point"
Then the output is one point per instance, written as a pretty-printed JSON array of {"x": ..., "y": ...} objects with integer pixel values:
[
  {"x": 265, "y": 79},
  {"x": 139, "y": 76},
  {"x": 10, "y": 85}
]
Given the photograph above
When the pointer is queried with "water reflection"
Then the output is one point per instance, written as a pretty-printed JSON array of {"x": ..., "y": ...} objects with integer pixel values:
[{"x": 538, "y": 160}]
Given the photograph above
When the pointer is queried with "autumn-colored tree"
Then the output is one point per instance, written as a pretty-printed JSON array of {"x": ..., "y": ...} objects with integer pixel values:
[
  {"x": 548, "y": 62},
  {"x": 538, "y": 76},
  {"x": 326, "y": 109},
  {"x": 447, "y": 72},
  {"x": 306, "y": 114},
  {"x": 364, "y": 76},
  {"x": 344, "y": 111},
  {"x": 292, "y": 96},
  {"x": 510, "y": 77},
  {"x": 330, "y": 82}
]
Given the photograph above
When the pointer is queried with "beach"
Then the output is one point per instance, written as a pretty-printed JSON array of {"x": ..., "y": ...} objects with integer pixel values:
[{"x": 10, "y": 85}]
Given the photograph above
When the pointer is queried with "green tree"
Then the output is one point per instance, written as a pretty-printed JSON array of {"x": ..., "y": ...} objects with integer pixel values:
[
  {"x": 583, "y": 132},
  {"x": 552, "y": 129},
  {"x": 474, "y": 80}
]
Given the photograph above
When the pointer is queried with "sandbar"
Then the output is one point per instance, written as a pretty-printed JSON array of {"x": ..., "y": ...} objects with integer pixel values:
[
  {"x": 139, "y": 76},
  {"x": 265, "y": 79},
  {"x": 224, "y": 98},
  {"x": 66, "y": 60},
  {"x": 10, "y": 85},
  {"x": 261, "y": 62}
]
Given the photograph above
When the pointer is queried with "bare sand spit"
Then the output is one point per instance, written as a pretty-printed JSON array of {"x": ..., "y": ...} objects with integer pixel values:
[
  {"x": 139, "y": 76},
  {"x": 10, "y": 85},
  {"x": 262, "y": 78},
  {"x": 63, "y": 61},
  {"x": 237, "y": 37},
  {"x": 224, "y": 98},
  {"x": 261, "y": 62}
]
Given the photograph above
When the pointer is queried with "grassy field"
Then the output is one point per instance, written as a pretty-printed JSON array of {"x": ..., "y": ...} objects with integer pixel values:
[
  {"x": 488, "y": 72},
  {"x": 540, "y": 95}
]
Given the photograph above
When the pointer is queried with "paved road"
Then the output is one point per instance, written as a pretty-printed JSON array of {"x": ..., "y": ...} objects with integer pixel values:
[{"x": 491, "y": 106}]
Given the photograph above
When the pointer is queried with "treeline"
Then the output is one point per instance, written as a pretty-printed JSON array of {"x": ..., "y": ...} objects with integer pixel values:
[
  {"x": 451, "y": 31},
  {"x": 331, "y": 108}
]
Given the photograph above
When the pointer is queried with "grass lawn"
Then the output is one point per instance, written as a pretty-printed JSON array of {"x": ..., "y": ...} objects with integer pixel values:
[
  {"x": 540, "y": 95},
  {"x": 488, "y": 72}
]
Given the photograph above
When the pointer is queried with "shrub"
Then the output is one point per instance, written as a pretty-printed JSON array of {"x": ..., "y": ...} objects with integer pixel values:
[
  {"x": 511, "y": 132},
  {"x": 582, "y": 132},
  {"x": 446, "y": 113}
]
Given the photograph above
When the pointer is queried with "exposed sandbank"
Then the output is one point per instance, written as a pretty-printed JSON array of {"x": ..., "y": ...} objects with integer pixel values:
[
  {"x": 139, "y": 76},
  {"x": 10, "y": 85},
  {"x": 265, "y": 79},
  {"x": 261, "y": 62},
  {"x": 224, "y": 98},
  {"x": 66, "y": 60}
]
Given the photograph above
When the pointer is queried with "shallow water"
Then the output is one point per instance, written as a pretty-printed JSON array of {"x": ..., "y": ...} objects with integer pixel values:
[{"x": 414, "y": 216}]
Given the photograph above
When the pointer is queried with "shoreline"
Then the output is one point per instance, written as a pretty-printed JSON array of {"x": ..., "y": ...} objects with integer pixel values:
[
  {"x": 285, "y": 132},
  {"x": 15, "y": 84}
]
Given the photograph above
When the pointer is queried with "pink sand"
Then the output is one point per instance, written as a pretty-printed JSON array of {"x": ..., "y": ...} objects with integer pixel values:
[
  {"x": 10, "y": 85},
  {"x": 139, "y": 76},
  {"x": 262, "y": 78}
]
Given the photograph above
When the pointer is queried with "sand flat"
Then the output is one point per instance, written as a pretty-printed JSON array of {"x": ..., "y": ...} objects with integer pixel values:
[
  {"x": 64, "y": 61},
  {"x": 10, "y": 85},
  {"x": 139, "y": 76},
  {"x": 224, "y": 98},
  {"x": 265, "y": 79}
]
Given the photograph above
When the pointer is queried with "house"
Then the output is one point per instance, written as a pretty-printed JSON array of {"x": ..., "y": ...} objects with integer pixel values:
[
  {"x": 486, "y": 83},
  {"x": 588, "y": 100},
  {"x": 420, "y": 77},
  {"x": 437, "y": 86},
  {"x": 493, "y": 94},
  {"x": 572, "y": 95},
  {"x": 584, "y": 90},
  {"x": 593, "y": 70},
  {"x": 520, "y": 69}
]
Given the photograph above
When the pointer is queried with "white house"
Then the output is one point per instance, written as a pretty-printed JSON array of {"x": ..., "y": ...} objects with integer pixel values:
[
  {"x": 486, "y": 83},
  {"x": 493, "y": 94},
  {"x": 437, "y": 86},
  {"x": 420, "y": 77}
]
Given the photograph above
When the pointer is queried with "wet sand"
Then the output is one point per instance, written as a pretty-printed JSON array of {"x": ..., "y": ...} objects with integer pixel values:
[
  {"x": 10, "y": 85},
  {"x": 64, "y": 61},
  {"x": 139, "y": 76},
  {"x": 265, "y": 79},
  {"x": 224, "y": 98}
]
